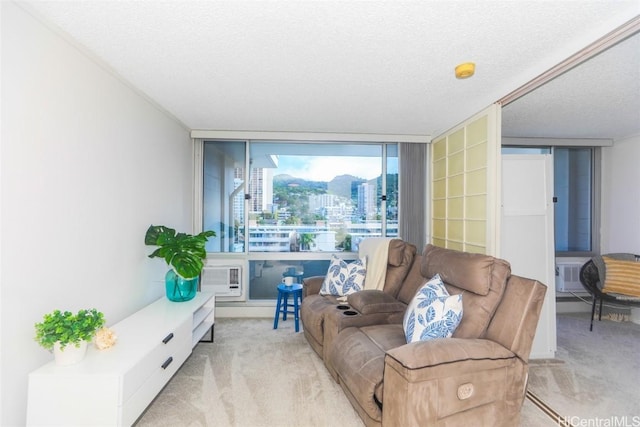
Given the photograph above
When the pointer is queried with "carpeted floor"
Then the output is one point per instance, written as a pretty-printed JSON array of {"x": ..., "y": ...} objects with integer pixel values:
[
  {"x": 595, "y": 375},
  {"x": 254, "y": 376}
]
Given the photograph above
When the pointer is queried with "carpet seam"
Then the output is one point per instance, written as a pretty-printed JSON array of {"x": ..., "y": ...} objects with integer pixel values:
[{"x": 548, "y": 410}]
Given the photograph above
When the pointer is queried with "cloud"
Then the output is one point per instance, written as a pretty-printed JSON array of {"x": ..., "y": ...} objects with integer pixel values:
[{"x": 326, "y": 168}]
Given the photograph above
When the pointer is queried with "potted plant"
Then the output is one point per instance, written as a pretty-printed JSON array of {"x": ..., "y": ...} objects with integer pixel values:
[
  {"x": 67, "y": 334},
  {"x": 184, "y": 254}
]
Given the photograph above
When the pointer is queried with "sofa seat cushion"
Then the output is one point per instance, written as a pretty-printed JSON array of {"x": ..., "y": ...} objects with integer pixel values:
[{"x": 358, "y": 358}]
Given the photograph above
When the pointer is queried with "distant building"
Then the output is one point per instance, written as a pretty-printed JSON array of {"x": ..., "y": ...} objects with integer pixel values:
[
  {"x": 279, "y": 238},
  {"x": 260, "y": 190},
  {"x": 367, "y": 200}
]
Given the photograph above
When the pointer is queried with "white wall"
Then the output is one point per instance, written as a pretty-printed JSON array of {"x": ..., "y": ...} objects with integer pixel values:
[
  {"x": 86, "y": 165},
  {"x": 621, "y": 196}
]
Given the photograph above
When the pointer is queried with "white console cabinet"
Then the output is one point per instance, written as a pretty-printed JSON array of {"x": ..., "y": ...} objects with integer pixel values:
[{"x": 114, "y": 386}]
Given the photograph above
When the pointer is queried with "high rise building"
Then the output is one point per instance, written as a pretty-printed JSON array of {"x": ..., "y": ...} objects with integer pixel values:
[
  {"x": 261, "y": 190},
  {"x": 367, "y": 199}
]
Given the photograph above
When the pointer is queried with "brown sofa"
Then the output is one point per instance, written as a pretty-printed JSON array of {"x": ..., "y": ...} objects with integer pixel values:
[
  {"x": 315, "y": 307},
  {"x": 477, "y": 377}
]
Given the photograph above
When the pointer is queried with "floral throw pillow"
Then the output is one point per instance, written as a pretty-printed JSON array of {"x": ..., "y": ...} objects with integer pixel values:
[
  {"x": 342, "y": 278},
  {"x": 432, "y": 313}
]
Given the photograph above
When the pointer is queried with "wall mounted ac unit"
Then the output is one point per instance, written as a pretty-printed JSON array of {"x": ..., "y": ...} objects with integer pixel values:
[
  {"x": 568, "y": 277},
  {"x": 223, "y": 281}
]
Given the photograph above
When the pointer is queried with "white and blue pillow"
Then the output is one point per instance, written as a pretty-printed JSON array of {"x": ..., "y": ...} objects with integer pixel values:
[
  {"x": 344, "y": 278},
  {"x": 432, "y": 313}
]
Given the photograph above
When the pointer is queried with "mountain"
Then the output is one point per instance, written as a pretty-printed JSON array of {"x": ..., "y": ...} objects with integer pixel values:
[
  {"x": 283, "y": 180},
  {"x": 344, "y": 185}
]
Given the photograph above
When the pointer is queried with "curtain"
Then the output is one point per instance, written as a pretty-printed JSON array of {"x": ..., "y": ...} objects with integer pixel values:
[{"x": 412, "y": 214}]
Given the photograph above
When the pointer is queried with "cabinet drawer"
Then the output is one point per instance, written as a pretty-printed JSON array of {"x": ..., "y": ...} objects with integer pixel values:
[
  {"x": 142, "y": 397},
  {"x": 172, "y": 346}
]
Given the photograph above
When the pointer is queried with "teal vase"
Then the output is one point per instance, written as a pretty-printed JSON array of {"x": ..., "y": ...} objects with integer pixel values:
[{"x": 179, "y": 289}]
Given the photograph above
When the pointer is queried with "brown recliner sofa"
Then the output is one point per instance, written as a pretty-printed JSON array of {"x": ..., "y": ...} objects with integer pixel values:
[
  {"x": 316, "y": 307},
  {"x": 477, "y": 377}
]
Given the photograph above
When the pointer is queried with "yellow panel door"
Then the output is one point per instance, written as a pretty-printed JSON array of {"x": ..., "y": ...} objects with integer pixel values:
[{"x": 465, "y": 185}]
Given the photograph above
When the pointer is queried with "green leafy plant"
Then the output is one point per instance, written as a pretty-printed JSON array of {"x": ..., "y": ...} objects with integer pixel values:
[
  {"x": 184, "y": 253},
  {"x": 68, "y": 328},
  {"x": 306, "y": 240}
]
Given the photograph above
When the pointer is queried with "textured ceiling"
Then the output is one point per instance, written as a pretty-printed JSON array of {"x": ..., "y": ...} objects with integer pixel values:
[
  {"x": 381, "y": 67},
  {"x": 598, "y": 99}
]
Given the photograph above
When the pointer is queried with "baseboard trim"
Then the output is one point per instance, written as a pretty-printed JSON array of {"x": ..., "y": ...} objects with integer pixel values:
[{"x": 246, "y": 310}]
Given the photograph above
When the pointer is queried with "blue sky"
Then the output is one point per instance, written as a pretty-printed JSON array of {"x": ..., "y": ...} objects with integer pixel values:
[{"x": 326, "y": 168}]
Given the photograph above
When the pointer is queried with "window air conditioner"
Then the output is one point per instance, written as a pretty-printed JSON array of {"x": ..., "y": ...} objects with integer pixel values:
[
  {"x": 568, "y": 277},
  {"x": 223, "y": 281}
]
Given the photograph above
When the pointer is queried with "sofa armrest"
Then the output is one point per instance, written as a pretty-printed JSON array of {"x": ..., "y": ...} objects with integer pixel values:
[
  {"x": 311, "y": 285},
  {"x": 453, "y": 379},
  {"x": 371, "y": 301}
]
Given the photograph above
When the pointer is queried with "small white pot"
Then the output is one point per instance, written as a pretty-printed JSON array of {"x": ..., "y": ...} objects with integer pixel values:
[{"x": 70, "y": 354}]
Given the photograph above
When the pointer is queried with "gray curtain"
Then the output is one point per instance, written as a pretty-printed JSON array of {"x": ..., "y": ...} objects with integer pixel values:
[{"x": 412, "y": 215}]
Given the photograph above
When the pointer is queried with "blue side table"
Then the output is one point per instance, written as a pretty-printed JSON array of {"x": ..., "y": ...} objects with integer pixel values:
[{"x": 283, "y": 305}]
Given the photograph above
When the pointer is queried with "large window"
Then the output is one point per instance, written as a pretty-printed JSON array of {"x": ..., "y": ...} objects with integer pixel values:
[
  {"x": 576, "y": 195},
  {"x": 574, "y": 199},
  {"x": 265, "y": 196},
  {"x": 285, "y": 207}
]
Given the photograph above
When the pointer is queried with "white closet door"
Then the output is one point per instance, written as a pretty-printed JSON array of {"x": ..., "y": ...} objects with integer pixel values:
[{"x": 527, "y": 234}]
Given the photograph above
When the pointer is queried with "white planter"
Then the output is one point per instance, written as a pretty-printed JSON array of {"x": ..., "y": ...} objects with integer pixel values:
[{"x": 70, "y": 354}]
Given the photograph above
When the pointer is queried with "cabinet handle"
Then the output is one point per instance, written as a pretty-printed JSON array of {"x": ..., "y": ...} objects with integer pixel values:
[
  {"x": 167, "y": 362},
  {"x": 167, "y": 338}
]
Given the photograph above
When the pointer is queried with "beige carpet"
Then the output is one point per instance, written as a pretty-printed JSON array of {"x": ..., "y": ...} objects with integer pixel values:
[
  {"x": 595, "y": 376},
  {"x": 255, "y": 376},
  {"x": 252, "y": 375}
]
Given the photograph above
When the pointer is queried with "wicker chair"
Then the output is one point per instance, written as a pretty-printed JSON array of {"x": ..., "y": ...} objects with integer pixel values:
[{"x": 590, "y": 277}]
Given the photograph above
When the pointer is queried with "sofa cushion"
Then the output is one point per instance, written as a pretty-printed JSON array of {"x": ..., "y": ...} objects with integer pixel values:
[
  {"x": 396, "y": 252},
  {"x": 412, "y": 282},
  {"x": 602, "y": 270},
  {"x": 464, "y": 270},
  {"x": 432, "y": 313},
  {"x": 344, "y": 278},
  {"x": 623, "y": 277},
  {"x": 482, "y": 273},
  {"x": 397, "y": 269}
]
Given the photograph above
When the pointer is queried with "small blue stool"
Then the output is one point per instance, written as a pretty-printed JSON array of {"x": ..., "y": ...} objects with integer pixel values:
[{"x": 284, "y": 291}]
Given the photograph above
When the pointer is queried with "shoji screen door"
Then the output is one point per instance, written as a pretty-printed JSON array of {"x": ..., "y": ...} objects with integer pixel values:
[{"x": 465, "y": 173}]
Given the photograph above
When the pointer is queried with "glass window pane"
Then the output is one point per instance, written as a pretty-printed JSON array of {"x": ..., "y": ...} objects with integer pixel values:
[
  {"x": 573, "y": 189},
  {"x": 265, "y": 275},
  {"x": 223, "y": 195},
  {"x": 313, "y": 196}
]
